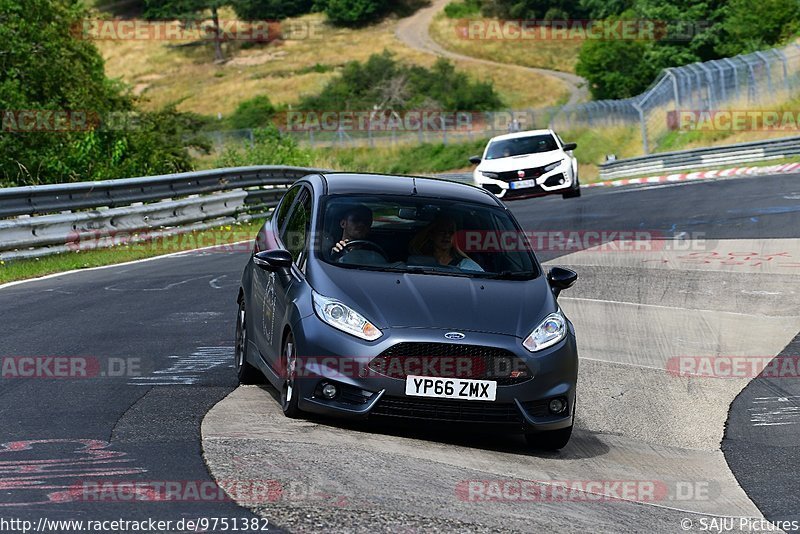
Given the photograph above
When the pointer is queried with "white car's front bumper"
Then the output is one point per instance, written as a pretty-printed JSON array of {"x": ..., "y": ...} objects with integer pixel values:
[{"x": 559, "y": 179}]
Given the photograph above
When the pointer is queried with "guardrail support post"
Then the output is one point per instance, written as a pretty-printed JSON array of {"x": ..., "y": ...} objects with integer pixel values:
[
  {"x": 675, "y": 93},
  {"x": 644, "y": 129}
]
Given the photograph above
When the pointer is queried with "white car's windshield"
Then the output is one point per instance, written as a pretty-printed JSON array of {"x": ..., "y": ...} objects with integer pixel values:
[
  {"x": 423, "y": 235},
  {"x": 532, "y": 144}
]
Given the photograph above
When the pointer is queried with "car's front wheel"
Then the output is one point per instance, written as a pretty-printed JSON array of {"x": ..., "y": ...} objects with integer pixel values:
[
  {"x": 289, "y": 394},
  {"x": 247, "y": 373},
  {"x": 551, "y": 440},
  {"x": 574, "y": 192}
]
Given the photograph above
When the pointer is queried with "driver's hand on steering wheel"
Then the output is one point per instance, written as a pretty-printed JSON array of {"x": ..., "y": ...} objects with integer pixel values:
[{"x": 339, "y": 247}]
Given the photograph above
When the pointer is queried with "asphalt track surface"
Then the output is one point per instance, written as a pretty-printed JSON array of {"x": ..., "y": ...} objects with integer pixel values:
[{"x": 173, "y": 317}]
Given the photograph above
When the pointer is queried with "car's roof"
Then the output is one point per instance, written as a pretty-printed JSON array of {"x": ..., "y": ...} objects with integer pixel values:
[
  {"x": 387, "y": 184},
  {"x": 521, "y": 134}
]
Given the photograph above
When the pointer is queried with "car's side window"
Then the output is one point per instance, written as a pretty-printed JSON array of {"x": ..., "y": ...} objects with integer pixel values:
[
  {"x": 283, "y": 208},
  {"x": 295, "y": 234}
]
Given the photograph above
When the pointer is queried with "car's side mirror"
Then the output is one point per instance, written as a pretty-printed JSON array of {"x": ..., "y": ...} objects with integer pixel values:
[
  {"x": 561, "y": 279},
  {"x": 569, "y": 146},
  {"x": 273, "y": 260},
  {"x": 475, "y": 160}
]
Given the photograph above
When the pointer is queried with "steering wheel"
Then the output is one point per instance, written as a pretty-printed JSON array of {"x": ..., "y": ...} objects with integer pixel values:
[{"x": 365, "y": 243}]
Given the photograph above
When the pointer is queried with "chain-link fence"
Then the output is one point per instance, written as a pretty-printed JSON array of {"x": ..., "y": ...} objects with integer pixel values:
[{"x": 744, "y": 82}]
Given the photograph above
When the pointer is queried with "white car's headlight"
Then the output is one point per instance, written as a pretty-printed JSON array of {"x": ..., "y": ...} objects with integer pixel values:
[
  {"x": 553, "y": 165},
  {"x": 344, "y": 318},
  {"x": 549, "y": 332},
  {"x": 488, "y": 174}
]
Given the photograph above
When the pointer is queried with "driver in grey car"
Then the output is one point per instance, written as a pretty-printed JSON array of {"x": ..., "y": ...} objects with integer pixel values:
[{"x": 356, "y": 224}]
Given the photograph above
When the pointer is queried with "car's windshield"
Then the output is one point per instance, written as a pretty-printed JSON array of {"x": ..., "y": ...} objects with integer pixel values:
[
  {"x": 505, "y": 148},
  {"x": 423, "y": 235}
]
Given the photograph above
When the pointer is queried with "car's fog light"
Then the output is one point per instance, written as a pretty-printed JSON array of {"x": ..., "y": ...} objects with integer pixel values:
[
  {"x": 557, "y": 405},
  {"x": 329, "y": 391}
]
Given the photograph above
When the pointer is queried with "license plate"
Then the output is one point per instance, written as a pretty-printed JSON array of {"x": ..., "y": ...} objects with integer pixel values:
[
  {"x": 522, "y": 184},
  {"x": 451, "y": 388}
]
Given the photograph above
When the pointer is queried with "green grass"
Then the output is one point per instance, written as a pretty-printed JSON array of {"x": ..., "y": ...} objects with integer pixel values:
[
  {"x": 36, "y": 267},
  {"x": 401, "y": 159}
]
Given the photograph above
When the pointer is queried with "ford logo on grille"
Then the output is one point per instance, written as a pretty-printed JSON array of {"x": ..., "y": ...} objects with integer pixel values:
[{"x": 454, "y": 335}]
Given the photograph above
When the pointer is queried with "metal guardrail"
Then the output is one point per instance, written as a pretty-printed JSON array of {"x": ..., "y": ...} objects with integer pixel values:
[
  {"x": 41, "y": 220},
  {"x": 700, "y": 158}
]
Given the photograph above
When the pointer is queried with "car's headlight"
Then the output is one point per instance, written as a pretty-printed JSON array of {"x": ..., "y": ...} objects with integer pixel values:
[
  {"x": 549, "y": 332},
  {"x": 553, "y": 165},
  {"x": 488, "y": 174},
  {"x": 344, "y": 318}
]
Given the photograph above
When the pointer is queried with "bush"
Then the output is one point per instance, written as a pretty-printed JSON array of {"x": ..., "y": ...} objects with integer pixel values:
[
  {"x": 458, "y": 10},
  {"x": 355, "y": 12},
  {"x": 381, "y": 81},
  {"x": 271, "y": 9},
  {"x": 255, "y": 112},
  {"x": 269, "y": 147}
]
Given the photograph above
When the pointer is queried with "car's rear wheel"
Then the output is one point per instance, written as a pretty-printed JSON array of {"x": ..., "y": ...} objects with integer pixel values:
[
  {"x": 247, "y": 373},
  {"x": 551, "y": 440},
  {"x": 289, "y": 393}
]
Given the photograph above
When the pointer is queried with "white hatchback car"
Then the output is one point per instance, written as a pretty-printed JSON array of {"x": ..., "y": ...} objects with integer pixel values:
[{"x": 527, "y": 164}]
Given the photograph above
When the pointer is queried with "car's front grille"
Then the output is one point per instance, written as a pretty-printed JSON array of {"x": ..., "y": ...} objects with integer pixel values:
[
  {"x": 446, "y": 410},
  {"x": 451, "y": 360},
  {"x": 513, "y": 176}
]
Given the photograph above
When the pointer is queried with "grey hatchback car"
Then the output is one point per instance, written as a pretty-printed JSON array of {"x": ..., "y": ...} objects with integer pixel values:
[{"x": 405, "y": 298}]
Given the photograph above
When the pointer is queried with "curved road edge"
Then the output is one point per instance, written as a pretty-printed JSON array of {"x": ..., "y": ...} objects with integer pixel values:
[{"x": 413, "y": 31}]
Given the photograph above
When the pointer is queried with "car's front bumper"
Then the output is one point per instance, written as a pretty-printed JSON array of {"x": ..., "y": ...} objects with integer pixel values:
[
  {"x": 556, "y": 181},
  {"x": 328, "y": 355}
]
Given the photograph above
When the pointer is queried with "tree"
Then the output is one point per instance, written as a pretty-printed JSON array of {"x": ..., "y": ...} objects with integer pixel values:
[
  {"x": 750, "y": 26},
  {"x": 355, "y": 12},
  {"x": 45, "y": 69},
  {"x": 194, "y": 10},
  {"x": 615, "y": 68},
  {"x": 271, "y": 9}
]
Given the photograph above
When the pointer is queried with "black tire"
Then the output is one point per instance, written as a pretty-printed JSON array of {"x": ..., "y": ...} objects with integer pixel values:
[
  {"x": 576, "y": 191},
  {"x": 549, "y": 441},
  {"x": 247, "y": 373},
  {"x": 289, "y": 394}
]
